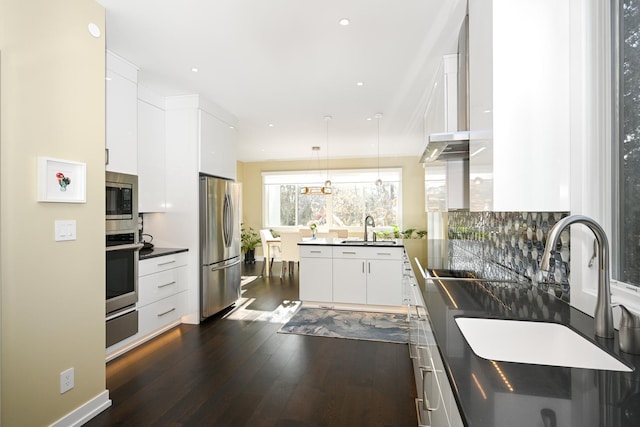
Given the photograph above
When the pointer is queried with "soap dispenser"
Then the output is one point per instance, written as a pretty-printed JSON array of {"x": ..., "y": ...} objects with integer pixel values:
[{"x": 629, "y": 331}]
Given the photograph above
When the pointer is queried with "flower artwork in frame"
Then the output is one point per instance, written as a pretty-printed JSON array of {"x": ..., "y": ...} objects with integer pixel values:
[{"x": 61, "y": 181}]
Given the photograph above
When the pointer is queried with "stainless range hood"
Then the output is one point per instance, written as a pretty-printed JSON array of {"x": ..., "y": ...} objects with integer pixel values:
[
  {"x": 446, "y": 146},
  {"x": 454, "y": 144}
]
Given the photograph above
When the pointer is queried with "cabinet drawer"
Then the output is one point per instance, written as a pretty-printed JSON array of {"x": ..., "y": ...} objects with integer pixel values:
[
  {"x": 161, "y": 313},
  {"x": 154, "y": 287},
  {"x": 368, "y": 252},
  {"x": 154, "y": 265},
  {"x": 312, "y": 251}
]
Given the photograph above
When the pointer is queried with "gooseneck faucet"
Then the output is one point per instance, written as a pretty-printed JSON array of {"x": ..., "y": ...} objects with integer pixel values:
[
  {"x": 368, "y": 220},
  {"x": 603, "y": 313}
]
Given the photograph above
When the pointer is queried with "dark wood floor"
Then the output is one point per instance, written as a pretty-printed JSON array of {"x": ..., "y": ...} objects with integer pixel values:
[{"x": 227, "y": 372}]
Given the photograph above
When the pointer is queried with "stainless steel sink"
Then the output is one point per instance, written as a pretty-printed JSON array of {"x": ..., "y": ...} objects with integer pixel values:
[
  {"x": 369, "y": 242},
  {"x": 539, "y": 343}
]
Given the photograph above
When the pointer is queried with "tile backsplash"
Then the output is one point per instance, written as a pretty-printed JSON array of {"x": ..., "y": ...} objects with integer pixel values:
[{"x": 509, "y": 245}]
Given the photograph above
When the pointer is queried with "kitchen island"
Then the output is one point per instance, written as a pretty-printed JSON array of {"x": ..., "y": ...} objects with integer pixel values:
[
  {"x": 351, "y": 271},
  {"x": 493, "y": 393}
]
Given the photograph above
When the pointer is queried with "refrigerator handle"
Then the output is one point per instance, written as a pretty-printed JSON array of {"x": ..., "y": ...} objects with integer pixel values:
[{"x": 226, "y": 228}]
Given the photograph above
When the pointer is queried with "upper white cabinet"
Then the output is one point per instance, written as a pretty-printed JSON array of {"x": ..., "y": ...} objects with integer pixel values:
[
  {"x": 121, "y": 115},
  {"x": 151, "y": 152},
  {"x": 519, "y": 65},
  {"x": 217, "y": 146}
]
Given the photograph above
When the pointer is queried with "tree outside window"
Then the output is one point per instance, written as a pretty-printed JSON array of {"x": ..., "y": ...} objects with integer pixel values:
[{"x": 354, "y": 195}]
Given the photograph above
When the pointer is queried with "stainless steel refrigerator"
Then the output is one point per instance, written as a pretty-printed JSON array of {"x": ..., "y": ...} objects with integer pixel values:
[{"x": 219, "y": 244}]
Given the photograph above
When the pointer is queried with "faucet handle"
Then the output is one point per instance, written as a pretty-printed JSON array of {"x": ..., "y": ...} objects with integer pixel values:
[
  {"x": 629, "y": 319},
  {"x": 629, "y": 330}
]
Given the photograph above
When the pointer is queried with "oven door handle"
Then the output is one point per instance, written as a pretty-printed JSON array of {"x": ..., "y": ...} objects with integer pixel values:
[{"x": 134, "y": 246}]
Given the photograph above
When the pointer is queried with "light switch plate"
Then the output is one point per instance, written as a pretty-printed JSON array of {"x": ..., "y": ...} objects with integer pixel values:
[{"x": 65, "y": 230}]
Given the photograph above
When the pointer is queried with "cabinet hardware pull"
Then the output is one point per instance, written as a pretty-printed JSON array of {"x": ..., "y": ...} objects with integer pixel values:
[
  {"x": 425, "y": 402},
  {"x": 348, "y": 253},
  {"x": 167, "y": 312},
  {"x": 316, "y": 252},
  {"x": 106, "y": 156},
  {"x": 362, "y": 266},
  {"x": 419, "y": 413},
  {"x": 412, "y": 356},
  {"x": 369, "y": 267},
  {"x": 167, "y": 284},
  {"x": 160, "y": 264},
  {"x": 383, "y": 253}
]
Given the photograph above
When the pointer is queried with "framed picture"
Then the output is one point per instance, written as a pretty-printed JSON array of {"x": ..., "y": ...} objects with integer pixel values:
[{"x": 61, "y": 181}]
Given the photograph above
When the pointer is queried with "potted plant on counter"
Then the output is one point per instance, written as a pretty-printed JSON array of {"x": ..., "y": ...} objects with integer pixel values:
[{"x": 250, "y": 240}]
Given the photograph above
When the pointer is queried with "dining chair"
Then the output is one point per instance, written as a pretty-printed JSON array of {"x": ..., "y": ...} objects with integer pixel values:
[
  {"x": 343, "y": 233},
  {"x": 327, "y": 234},
  {"x": 289, "y": 250},
  {"x": 270, "y": 251},
  {"x": 305, "y": 231}
]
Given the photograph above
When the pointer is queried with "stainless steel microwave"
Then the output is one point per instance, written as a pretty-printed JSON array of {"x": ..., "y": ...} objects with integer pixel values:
[{"x": 121, "y": 203}]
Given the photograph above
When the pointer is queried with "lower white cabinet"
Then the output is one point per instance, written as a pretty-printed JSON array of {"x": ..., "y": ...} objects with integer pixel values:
[
  {"x": 162, "y": 298},
  {"x": 367, "y": 275},
  {"x": 315, "y": 274},
  {"x": 351, "y": 274},
  {"x": 435, "y": 404},
  {"x": 162, "y": 291}
]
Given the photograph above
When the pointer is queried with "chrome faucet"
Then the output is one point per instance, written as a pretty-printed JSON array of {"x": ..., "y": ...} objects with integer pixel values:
[
  {"x": 603, "y": 314},
  {"x": 368, "y": 220}
]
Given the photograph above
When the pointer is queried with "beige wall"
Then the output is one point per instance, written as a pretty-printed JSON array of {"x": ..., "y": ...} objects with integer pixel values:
[
  {"x": 52, "y": 104},
  {"x": 413, "y": 212}
]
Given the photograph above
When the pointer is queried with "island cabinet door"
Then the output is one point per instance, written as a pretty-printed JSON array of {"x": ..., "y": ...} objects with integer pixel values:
[
  {"x": 315, "y": 276},
  {"x": 350, "y": 281},
  {"x": 384, "y": 282}
]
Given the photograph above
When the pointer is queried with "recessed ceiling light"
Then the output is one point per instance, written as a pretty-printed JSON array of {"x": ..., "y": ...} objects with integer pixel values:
[
  {"x": 344, "y": 22},
  {"x": 359, "y": 84},
  {"x": 270, "y": 125},
  {"x": 195, "y": 70},
  {"x": 368, "y": 119}
]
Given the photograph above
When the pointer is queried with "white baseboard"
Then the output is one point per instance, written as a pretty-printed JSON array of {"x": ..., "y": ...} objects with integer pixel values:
[{"x": 84, "y": 413}]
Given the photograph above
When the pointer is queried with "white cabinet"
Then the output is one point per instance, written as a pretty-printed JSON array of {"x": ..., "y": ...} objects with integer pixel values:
[
  {"x": 367, "y": 275},
  {"x": 162, "y": 289},
  {"x": 121, "y": 115},
  {"x": 520, "y": 88},
  {"x": 349, "y": 280},
  {"x": 162, "y": 299},
  {"x": 315, "y": 274},
  {"x": 151, "y": 152},
  {"x": 351, "y": 274},
  {"x": 435, "y": 404},
  {"x": 217, "y": 147}
]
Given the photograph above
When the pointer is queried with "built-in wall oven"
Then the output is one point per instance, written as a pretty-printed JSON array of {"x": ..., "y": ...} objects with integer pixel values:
[{"x": 122, "y": 253}]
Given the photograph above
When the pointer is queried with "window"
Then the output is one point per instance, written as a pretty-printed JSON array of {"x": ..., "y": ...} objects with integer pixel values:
[
  {"x": 627, "y": 141},
  {"x": 354, "y": 195}
]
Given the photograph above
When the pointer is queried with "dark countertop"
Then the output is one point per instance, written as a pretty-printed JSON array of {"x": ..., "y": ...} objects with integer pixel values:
[
  {"x": 578, "y": 397},
  {"x": 156, "y": 252},
  {"x": 321, "y": 241}
]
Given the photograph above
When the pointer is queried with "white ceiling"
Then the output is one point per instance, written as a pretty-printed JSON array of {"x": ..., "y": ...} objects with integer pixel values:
[{"x": 289, "y": 63}]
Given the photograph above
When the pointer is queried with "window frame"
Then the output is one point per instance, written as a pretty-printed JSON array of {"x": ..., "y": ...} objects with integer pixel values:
[
  {"x": 594, "y": 109},
  {"x": 317, "y": 178}
]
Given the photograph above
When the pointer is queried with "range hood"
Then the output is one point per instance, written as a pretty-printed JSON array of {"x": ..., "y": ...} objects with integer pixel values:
[
  {"x": 454, "y": 143},
  {"x": 446, "y": 146}
]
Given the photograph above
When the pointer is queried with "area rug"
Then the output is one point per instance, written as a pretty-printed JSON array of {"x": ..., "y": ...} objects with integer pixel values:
[
  {"x": 245, "y": 280},
  {"x": 357, "y": 325}
]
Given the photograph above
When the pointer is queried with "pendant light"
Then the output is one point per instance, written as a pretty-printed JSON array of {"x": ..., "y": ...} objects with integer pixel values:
[
  {"x": 327, "y": 183},
  {"x": 378, "y": 116},
  {"x": 315, "y": 191}
]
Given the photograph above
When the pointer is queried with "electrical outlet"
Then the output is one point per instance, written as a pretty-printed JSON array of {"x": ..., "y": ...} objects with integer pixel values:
[{"x": 66, "y": 380}]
